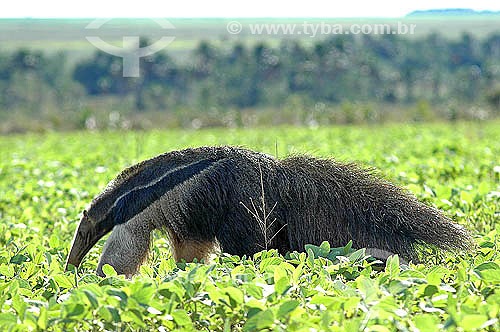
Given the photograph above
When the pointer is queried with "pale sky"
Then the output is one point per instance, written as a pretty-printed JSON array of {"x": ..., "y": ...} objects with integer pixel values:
[{"x": 229, "y": 8}]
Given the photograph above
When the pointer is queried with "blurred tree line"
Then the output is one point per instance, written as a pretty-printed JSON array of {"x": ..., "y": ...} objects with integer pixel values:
[{"x": 387, "y": 69}]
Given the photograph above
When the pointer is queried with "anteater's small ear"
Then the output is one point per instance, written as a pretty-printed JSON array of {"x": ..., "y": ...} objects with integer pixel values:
[{"x": 85, "y": 213}]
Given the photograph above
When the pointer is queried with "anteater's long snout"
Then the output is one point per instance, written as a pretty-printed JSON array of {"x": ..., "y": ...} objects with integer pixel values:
[{"x": 84, "y": 239}]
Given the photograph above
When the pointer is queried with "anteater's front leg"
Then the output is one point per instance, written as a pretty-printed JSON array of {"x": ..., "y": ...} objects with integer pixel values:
[
  {"x": 127, "y": 247},
  {"x": 189, "y": 249}
]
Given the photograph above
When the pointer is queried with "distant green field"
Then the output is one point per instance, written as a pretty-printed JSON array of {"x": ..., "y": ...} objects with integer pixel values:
[
  {"x": 47, "y": 180},
  {"x": 53, "y": 35}
]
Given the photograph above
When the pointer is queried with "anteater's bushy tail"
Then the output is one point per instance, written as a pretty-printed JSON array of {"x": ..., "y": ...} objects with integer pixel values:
[
  {"x": 374, "y": 213},
  {"x": 409, "y": 226}
]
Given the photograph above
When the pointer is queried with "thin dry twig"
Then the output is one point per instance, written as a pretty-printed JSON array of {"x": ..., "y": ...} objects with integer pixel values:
[{"x": 263, "y": 221}]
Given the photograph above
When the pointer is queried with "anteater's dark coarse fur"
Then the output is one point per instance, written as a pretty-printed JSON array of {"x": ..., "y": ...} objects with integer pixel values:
[{"x": 198, "y": 197}]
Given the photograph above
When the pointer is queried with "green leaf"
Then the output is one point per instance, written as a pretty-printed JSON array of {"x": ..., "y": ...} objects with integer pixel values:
[
  {"x": 235, "y": 294},
  {"x": 279, "y": 273},
  {"x": 352, "y": 325},
  {"x": 43, "y": 318},
  {"x": 436, "y": 274},
  {"x": 74, "y": 309},
  {"x": 133, "y": 315},
  {"x": 357, "y": 255},
  {"x": 143, "y": 294},
  {"x": 287, "y": 307},
  {"x": 392, "y": 266},
  {"x": 63, "y": 281},
  {"x": 310, "y": 257},
  {"x": 270, "y": 261},
  {"x": 254, "y": 291},
  {"x": 297, "y": 273},
  {"x": 430, "y": 290},
  {"x": 18, "y": 259},
  {"x": 115, "y": 315},
  {"x": 429, "y": 190},
  {"x": 469, "y": 322},
  {"x": 7, "y": 318},
  {"x": 181, "y": 318},
  {"x": 466, "y": 197},
  {"x": 282, "y": 285},
  {"x": 348, "y": 248},
  {"x": 319, "y": 251},
  {"x": 7, "y": 270},
  {"x": 255, "y": 304},
  {"x": 368, "y": 287},
  {"x": 397, "y": 287},
  {"x": 109, "y": 271},
  {"x": 483, "y": 188},
  {"x": 488, "y": 271},
  {"x": 379, "y": 328},
  {"x": 262, "y": 320},
  {"x": 104, "y": 314},
  {"x": 92, "y": 298},
  {"x": 325, "y": 247},
  {"x": 324, "y": 300},
  {"x": 54, "y": 241},
  {"x": 120, "y": 294},
  {"x": 351, "y": 303}
]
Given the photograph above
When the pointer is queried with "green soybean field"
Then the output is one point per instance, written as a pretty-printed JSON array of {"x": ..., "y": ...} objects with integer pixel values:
[{"x": 47, "y": 180}]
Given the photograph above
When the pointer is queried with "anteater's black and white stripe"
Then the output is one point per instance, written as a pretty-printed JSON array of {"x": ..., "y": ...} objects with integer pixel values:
[{"x": 196, "y": 196}]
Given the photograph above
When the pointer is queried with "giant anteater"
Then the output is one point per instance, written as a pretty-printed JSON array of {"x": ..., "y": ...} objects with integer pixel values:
[{"x": 201, "y": 196}]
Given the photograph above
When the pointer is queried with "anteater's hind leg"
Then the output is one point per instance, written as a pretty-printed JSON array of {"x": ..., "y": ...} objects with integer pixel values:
[
  {"x": 189, "y": 249},
  {"x": 383, "y": 255},
  {"x": 127, "y": 247},
  {"x": 237, "y": 237}
]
